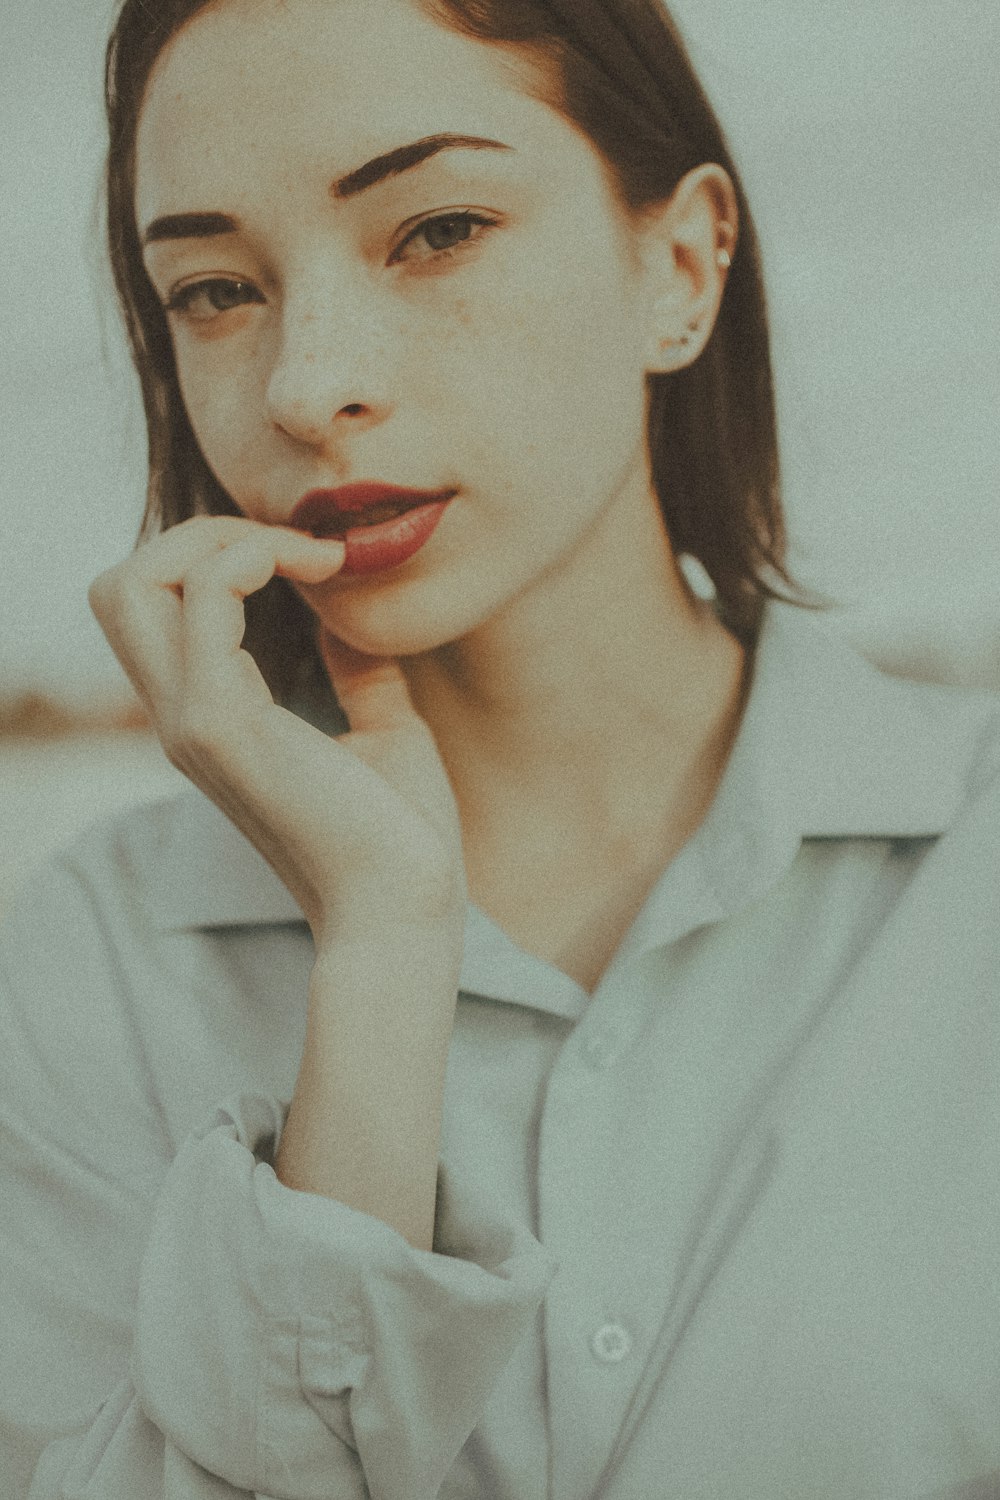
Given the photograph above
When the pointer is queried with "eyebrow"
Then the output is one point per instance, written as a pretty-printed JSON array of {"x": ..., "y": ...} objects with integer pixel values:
[
  {"x": 390, "y": 164},
  {"x": 404, "y": 158},
  {"x": 189, "y": 226}
]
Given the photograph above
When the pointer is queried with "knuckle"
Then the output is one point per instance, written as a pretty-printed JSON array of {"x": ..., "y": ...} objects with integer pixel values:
[
  {"x": 198, "y": 523},
  {"x": 103, "y": 591},
  {"x": 241, "y": 567},
  {"x": 216, "y": 529},
  {"x": 126, "y": 609},
  {"x": 215, "y": 561},
  {"x": 116, "y": 589}
]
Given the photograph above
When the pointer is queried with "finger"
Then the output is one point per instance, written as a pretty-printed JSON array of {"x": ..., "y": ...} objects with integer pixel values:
[
  {"x": 214, "y": 588},
  {"x": 142, "y": 627},
  {"x": 371, "y": 690},
  {"x": 137, "y": 602},
  {"x": 167, "y": 557}
]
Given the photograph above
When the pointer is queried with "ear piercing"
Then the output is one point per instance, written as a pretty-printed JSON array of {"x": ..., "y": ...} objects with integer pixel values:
[
  {"x": 684, "y": 339},
  {"x": 693, "y": 331},
  {"x": 723, "y": 259}
]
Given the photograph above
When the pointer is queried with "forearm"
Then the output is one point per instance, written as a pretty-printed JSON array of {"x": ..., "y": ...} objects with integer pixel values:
[{"x": 364, "y": 1125}]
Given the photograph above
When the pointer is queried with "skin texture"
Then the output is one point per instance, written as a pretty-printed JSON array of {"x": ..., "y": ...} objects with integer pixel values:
[{"x": 511, "y": 366}]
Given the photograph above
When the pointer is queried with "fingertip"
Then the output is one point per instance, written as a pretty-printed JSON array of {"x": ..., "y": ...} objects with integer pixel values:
[
  {"x": 320, "y": 546},
  {"x": 312, "y": 547},
  {"x": 309, "y": 536},
  {"x": 330, "y": 553}
]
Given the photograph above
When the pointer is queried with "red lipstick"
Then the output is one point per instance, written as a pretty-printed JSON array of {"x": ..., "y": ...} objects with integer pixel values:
[{"x": 390, "y": 524}]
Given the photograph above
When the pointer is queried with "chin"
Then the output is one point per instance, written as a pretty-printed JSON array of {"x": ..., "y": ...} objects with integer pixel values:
[
  {"x": 392, "y": 625},
  {"x": 409, "y": 622}
]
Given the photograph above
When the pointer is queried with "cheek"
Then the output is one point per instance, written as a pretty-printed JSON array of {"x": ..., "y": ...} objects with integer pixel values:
[
  {"x": 544, "y": 431},
  {"x": 554, "y": 381}
]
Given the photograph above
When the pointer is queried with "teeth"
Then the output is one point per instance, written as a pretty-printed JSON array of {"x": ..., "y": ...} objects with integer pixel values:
[{"x": 378, "y": 513}]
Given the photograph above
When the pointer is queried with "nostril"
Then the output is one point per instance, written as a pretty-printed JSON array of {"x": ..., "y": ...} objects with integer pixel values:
[{"x": 354, "y": 409}]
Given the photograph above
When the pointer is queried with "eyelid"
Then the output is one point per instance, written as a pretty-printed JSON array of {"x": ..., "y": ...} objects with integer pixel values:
[
  {"x": 403, "y": 233},
  {"x": 483, "y": 219},
  {"x": 188, "y": 288},
  {"x": 487, "y": 218}
]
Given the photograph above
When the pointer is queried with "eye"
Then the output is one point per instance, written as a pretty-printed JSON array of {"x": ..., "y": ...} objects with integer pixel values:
[
  {"x": 203, "y": 300},
  {"x": 443, "y": 236}
]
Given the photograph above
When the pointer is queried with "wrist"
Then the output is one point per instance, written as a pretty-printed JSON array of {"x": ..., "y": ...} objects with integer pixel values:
[
  {"x": 369, "y": 920},
  {"x": 364, "y": 1125},
  {"x": 416, "y": 956}
]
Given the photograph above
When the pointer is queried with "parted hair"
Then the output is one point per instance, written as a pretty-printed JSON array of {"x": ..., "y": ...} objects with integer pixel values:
[{"x": 619, "y": 70}]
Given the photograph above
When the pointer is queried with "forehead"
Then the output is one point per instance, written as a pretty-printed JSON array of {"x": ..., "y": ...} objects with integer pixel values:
[{"x": 249, "y": 87}]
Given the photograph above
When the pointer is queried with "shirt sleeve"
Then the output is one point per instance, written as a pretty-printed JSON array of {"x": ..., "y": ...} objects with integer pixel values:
[{"x": 179, "y": 1325}]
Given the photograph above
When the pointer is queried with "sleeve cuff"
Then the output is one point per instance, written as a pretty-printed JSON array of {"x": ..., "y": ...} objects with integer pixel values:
[{"x": 282, "y": 1335}]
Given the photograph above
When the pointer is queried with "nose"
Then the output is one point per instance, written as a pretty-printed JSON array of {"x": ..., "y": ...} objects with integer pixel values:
[{"x": 330, "y": 371}]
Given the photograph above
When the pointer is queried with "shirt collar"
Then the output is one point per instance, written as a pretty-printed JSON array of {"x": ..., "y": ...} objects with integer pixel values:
[
  {"x": 828, "y": 747},
  {"x": 848, "y": 750}
]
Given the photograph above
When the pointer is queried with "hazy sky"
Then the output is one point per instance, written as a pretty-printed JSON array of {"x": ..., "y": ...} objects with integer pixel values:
[{"x": 869, "y": 140}]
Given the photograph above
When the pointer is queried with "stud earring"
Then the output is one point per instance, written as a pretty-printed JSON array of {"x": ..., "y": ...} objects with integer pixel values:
[{"x": 724, "y": 255}]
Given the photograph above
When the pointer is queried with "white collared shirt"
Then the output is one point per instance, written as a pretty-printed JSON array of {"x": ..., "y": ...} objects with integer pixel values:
[{"x": 728, "y": 1227}]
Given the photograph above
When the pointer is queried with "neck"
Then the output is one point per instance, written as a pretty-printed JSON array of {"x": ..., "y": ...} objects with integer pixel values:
[{"x": 602, "y": 696}]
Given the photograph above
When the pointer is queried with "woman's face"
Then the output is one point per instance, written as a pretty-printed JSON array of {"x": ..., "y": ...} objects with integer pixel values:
[{"x": 500, "y": 353}]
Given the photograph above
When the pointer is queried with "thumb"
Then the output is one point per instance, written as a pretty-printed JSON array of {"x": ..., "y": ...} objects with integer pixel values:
[{"x": 371, "y": 690}]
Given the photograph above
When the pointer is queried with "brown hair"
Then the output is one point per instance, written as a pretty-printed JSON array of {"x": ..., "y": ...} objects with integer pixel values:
[{"x": 619, "y": 70}]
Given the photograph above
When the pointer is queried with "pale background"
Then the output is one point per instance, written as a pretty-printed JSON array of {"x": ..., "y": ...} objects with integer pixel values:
[{"x": 868, "y": 136}]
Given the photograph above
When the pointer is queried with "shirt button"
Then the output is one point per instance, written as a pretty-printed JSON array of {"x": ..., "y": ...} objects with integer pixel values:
[
  {"x": 611, "y": 1343},
  {"x": 600, "y": 1048}
]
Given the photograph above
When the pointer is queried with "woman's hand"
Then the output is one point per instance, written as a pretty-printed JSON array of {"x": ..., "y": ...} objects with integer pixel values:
[{"x": 363, "y": 829}]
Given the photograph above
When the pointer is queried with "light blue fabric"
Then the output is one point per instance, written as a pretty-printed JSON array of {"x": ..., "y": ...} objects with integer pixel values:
[{"x": 727, "y": 1227}]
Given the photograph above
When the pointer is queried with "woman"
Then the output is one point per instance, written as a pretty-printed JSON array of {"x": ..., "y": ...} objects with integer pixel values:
[{"x": 571, "y": 1076}]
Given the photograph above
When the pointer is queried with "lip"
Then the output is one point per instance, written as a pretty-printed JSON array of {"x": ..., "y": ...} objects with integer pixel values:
[
  {"x": 373, "y": 548},
  {"x": 318, "y": 508}
]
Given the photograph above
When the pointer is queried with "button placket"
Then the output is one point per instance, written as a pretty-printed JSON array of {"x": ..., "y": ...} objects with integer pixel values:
[{"x": 600, "y": 1048}]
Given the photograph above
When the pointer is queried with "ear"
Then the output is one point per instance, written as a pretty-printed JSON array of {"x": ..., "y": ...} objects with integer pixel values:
[{"x": 688, "y": 245}]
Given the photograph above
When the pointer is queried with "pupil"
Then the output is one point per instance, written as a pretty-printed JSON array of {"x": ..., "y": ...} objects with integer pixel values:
[
  {"x": 224, "y": 295},
  {"x": 445, "y": 232}
]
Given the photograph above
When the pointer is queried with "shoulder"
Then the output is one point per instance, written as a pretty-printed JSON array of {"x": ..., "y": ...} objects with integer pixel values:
[
  {"x": 173, "y": 864},
  {"x": 104, "y": 972},
  {"x": 861, "y": 752},
  {"x": 100, "y": 948},
  {"x": 70, "y": 932}
]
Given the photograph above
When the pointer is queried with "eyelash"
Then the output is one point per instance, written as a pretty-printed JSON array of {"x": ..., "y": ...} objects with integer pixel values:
[{"x": 181, "y": 301}]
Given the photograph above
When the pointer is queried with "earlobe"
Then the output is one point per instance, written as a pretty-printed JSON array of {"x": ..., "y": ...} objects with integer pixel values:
[
  {"x": 677, "y": 351},
  {"x": 678, "y": 343},
  {"x": 672, "y": 338}
]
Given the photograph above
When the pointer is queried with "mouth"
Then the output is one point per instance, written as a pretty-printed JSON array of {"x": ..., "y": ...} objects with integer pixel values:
[
  {"x": 332, "y": 512},
  {"x": 382, "y": 526}
]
